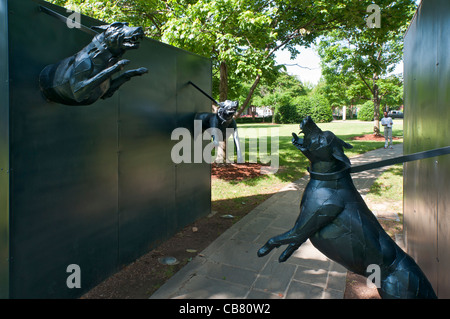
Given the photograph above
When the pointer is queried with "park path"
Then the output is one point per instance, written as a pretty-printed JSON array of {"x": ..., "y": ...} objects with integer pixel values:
[{"x": 230, "y": 269}]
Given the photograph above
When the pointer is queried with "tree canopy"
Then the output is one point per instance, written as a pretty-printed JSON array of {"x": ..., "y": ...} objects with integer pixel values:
[
  {"x": 358, "y": 58},
  {"x": 242, "y": 36}
]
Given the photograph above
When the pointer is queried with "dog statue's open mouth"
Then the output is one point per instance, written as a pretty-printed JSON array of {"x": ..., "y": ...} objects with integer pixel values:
[
  {"x": 132, "y": 42},
  {"x": 297, "y": 141}
]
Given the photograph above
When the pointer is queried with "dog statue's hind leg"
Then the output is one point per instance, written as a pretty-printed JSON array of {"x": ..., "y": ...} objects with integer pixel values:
[{"x": 404, "y": 279}]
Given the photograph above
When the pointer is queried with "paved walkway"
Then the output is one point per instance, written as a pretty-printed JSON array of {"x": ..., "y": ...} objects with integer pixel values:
[{"x": 230, "y": 268}]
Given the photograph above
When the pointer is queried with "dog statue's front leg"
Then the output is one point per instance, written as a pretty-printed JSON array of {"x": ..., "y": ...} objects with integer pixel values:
[
  {"x": 308, "y": 223},
  {"x": 233, "y": 130},
  {"x": 240, "y": 159},
  {"x": 82, "y": 88},
  {"x": 119, "y": 81}
]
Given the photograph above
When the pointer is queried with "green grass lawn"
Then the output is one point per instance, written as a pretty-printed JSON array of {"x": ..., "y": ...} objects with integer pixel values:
[
  {"x": 239, "y": 197},
  {"x": 389, "y": 186},
  {"x": 388, "y": 189}
]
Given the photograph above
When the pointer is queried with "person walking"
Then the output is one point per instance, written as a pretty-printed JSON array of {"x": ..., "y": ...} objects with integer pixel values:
[{"x": 387, "y": 122}]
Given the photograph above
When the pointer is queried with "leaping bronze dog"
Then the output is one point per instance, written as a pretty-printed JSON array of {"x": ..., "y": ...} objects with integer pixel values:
[
  {"x": 85, "y": 77},
  {"x": 338, "y": 222}
]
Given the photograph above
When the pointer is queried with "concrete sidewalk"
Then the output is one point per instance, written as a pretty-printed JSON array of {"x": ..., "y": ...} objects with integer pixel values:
[{"x": 230, "y": 268}]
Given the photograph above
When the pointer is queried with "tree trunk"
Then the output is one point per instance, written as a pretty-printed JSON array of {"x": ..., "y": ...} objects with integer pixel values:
[
  {"x": 249, "y": 96},
  {"x": 273, "y": 114},
  {"x": 376, "y": 112},
  {"x": 223, "y": 85}
]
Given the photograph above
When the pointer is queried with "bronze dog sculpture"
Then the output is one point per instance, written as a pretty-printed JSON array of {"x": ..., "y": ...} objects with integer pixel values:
[
  {"x": 224, "y": 122},
  {"x": 338, "y": 222},
  {"x": 86, "y": 76}
]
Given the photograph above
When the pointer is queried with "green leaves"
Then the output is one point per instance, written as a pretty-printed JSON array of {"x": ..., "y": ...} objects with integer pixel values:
[
  {"x": 245, "y": 34},
  {"x": 357, "y": 56},
  {"x": 150, "y": 14}
]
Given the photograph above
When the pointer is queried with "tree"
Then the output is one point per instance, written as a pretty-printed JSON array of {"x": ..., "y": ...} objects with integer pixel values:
[
  {"x": 233, "y": 33},
  {"x": 280, "y": 94},
  {"x": 149, "y": 14},
  {"x": 241, "y": 36},
  {"x": 391, "y": 92},
  {"x": 299, "y": 23},
  {"x": 369, "y": 54}
]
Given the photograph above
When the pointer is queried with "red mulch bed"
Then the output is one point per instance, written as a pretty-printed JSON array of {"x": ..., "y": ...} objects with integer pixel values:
[
  {"x": 236, "y": 172},
  {"x": 371, "y": 137}
]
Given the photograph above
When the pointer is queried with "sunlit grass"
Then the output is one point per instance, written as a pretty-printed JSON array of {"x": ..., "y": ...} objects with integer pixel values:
[
  {"x": 389, "y": 186},
  {"x": 388, "y": 189},
  {"x": 236, "y": 195}
]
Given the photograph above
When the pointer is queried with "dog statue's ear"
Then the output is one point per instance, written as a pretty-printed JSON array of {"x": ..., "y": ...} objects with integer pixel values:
[
  {"x": 346, "y": 145},
  {"x": 105, "y": 27},
  {"x": 100, "y": 28},
  {"x": 119, "y": 24},
  {"x": 338, "y": 152}
]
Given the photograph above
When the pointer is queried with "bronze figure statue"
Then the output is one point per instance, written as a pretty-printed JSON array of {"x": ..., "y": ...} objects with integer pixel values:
[
  {"x": 335, "y": 218},
  {"x": 87, "y": 76}
]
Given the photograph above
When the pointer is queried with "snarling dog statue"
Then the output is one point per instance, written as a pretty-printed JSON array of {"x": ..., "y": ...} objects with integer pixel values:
[
  {"x": 222, "y": 124},
  {"x": 337, "y": 221},
  {"x": 86, "y": 76}
]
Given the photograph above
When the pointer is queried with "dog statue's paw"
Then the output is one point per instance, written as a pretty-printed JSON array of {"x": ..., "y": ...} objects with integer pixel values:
[
  {"x": 123, "y": 62},
  {"x": 267, "y": 248},
  {"x": 141, "y": 71},
  {"x": 263, "y": 251},
  {"x": 288, "y": 252},
  {"x": 297, "y": 141}
]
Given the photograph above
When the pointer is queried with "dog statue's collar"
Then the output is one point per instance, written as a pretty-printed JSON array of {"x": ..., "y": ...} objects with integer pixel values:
[
  {"x": 329, "y": 176},
  {"x": 222, "y": 119}
]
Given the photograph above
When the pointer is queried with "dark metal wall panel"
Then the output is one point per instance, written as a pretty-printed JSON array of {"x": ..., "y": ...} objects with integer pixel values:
[
  {"x": 193, "y": 179},
  {"x": 442, "y": 164},
  {"x": 4, "y": 152},
  {"x": 64, "y": 167},
  {"x": 93, "y": 185},
  {"x": 150, "y": 183},
  {"x": 427, "y": 126},
  {"x": 146, "y": 172}
]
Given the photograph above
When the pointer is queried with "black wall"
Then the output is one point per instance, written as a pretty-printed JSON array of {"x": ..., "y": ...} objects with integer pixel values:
[
  {"x": 92, "y": 185},
  {"x": 427, "y": 126}
]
